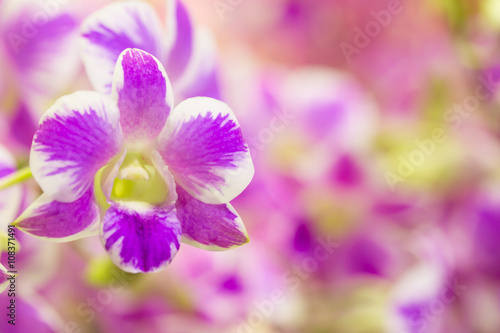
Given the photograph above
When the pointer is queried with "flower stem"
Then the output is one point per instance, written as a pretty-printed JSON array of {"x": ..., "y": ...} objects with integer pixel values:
[{"x": 17, "y": 177}]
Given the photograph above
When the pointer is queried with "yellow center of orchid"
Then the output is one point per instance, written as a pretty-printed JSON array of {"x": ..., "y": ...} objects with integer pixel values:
[{"x": 138, "y": 180}]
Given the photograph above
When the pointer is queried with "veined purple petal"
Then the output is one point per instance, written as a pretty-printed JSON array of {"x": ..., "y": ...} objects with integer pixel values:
[
  {"x": 109, "y": 31},
  {"x": 78, "y": 135},
  {"x": 180, "y": 31},
  {"x": 140, "y": 238},
  {"x": 204, "y": 148},
  {"x": 143, "y": 93},
  {"x": 61, "y": 221},
  {"x": 211, "y": 227}
]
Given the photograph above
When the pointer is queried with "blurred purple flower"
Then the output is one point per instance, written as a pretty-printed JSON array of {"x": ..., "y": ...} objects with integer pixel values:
[
  {"x": 38, "y": 50},
  {"x": 10, "y": 198},
  {"x": 42, "y": 317}
]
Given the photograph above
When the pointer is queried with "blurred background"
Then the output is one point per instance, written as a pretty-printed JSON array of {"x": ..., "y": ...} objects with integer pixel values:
[{"x": 374, "y": 127}]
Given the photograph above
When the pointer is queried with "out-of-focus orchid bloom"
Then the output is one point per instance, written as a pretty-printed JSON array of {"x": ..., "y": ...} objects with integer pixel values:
[
  {"x": 424, "y": 286},
  {"x": 152, "y": 315},
  {"x": 42, "y": 317},
  {"x": 187, "y": 53},
  {"x": 157, "y": 172},
  {"x": 38, "y": 50},
  {"x": 225, "y": 288},
  {"x": 312, "y": 125},
  {"x": 34, "y": 259},
  {"x": 10, "y": 198}
]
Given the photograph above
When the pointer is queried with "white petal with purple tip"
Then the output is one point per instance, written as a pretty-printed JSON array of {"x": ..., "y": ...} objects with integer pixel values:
[
  {"x": 209, "y": 227},
  {"x": 143, "y": 93},
  {"x": 141, "y": 238},
  {"x": 204, "y": 148},
  {"x": 77, "y": 136},
  {"x": 109, "y": 31},
  {"x": 61, "y": 221}
]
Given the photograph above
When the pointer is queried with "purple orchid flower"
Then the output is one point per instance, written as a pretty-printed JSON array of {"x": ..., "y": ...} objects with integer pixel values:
[
  {"x": 138, "y": 170},
  {"x": 187, "y": 53}
]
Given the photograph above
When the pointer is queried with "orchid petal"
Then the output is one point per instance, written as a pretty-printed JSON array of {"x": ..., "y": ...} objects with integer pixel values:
[
  {"x": 180, "y": 43},
  {"x": 204, "y": 148},
  {"x": 61, "y": 221},
  {"x": 109, "y": 31},
  {"x": 140, "y": 238},
  {"x": 78, "y": 135},
  {"x": 200, "y": 77},
  {"x": 143, "y": 93},
  {"x": 44, "y": 56},
  {"x": 209, "y": 227}
]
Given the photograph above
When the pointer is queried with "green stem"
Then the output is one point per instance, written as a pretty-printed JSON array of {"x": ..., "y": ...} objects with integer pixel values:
[{"x": 17, "y": 177}]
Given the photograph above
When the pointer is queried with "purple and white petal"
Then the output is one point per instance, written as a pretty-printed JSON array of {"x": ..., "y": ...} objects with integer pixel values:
[
  {"x": 61, "y": 221},
  {"x": 204, "y": 148},
  {"x": 42, "y": 49},
  {"x": 200, "y": 77},
  {"x": 77, "y": 136},
  {"x": 4, "y": 282},
  {"x": 109, "y": 31},
  {"x": 141, "y": 238},
  {"x": 209, "y": 227},
  {"x": 143, "y": 93},
  {"x": 180, "y": 43}
]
